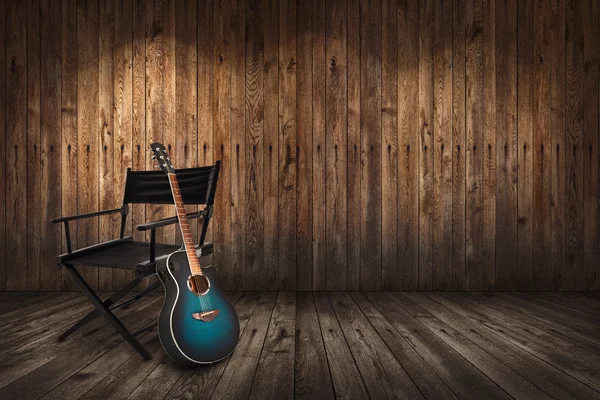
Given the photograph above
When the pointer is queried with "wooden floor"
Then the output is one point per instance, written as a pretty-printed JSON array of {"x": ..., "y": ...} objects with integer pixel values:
[{"x": 318, "y": 345}]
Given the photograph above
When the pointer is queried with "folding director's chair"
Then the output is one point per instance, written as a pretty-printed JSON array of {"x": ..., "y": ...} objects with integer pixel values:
[{"x": 198, "y": 186}]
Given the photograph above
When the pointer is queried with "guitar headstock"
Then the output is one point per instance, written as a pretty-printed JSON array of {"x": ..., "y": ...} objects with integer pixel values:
[{"x": 162, "y": 158}]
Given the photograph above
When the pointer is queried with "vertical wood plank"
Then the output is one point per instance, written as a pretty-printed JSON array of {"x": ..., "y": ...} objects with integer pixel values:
[
  {"x": 33, "y": 205},
  {"x": 408, "y": 145},
  {"x": 50, "y": 148},
  {"x": 542, "y": 173},
  {"x": 506, "y": 145},
  {"x": 319, "y": 250},
  {"x": 255, "y": 270},
  {"x": 238, "y": 146},
  {"x": 106, "y": 172},
  {"x": 525, "y": 104},
  {"x": 488, "y": 95},
  {"x": 3, "y": 69},
  {"x": 154, "y": 91},
  {"x": 186, "y": 86},
  {"x": 370, "y": 126},
  {"x": 16, "y": 145},
  {"x": 557, "y": 143},
  {"x": 304, "y": 153},
  {"x": 138, "y": 107},
  {"x": 459, "y": 142},
  {"x": 271, "y": 141},
  {"x": 575, "y": 152},
  {"x": 336, "y": 145},
  {"x": 442, "y": 148},
  {"x": 205, "y": 92},
  {"x": 87, "y": 128},
  {"x": 123, "y": 117},
  {"x": 171, "y": 233},
  {"x": 426, "y": 132},
  {"x": 474, "y": 151},
  {"x": 354, "y": 145},
  {"x": 222, "y": 144},
  {"x": 287, "y": 145},
  {"x": 69, "y": 142},
  {"x": 590, "y": 146},
  {"x": 389, "y": 143}
]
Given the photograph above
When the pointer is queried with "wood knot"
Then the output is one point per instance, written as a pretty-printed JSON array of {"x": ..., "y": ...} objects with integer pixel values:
[
  {"x": 69, "y": 147},
  {"x": 355, "y": 147},
  {"x": 291, "y": 65},
  {"x": 318, "y": 147},
  {"x": 442, "y": 146},
  {"x": 220, "y": 58},
  {"x": 138, "y": 147},
  {"x": 122, "y": 147},
  {"x": 204, "y": 146},
  {"x": 87, "y": 147},
  {"x": 408, "y": 147},
  {"x": 105, "y": 147},
  {"x": 333, "y": 63}
]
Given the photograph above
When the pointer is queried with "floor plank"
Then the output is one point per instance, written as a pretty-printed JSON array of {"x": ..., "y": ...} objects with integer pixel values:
[
  {"x": 429, "y": 383},
  {"x": 466, "y": 381},
  {"x": 274, "y": 377},
  {"x": 474, "y": 326},
  {"x": 347, "y": 381},
  {"x": 312, "y": 378},
  {"x": 382, "y": 374},
  {"x": 509, "y": 380},
  {"x": 318, "y": 346},
  {"x": 236, "y": 381}
]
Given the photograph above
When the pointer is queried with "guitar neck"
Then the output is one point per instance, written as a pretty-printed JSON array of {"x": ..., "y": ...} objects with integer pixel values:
[{"x": 184, "y": 225}]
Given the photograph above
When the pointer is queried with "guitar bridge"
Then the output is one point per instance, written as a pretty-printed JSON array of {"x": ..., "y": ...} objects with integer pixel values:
[{"x": 206, "y": 316}]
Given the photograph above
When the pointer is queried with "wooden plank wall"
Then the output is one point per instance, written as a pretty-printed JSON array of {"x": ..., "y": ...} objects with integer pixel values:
[{"x": 366, "y": 144}]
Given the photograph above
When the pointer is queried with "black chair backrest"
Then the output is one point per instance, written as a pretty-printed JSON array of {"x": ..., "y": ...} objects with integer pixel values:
[{"x": 197, "y": 185}]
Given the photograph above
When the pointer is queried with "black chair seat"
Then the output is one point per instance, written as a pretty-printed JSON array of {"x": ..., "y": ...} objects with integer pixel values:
[{"x": 124, "y": 255}]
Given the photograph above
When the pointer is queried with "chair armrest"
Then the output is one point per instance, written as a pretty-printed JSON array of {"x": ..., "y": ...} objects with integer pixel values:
[
  {"x": 168, "y": 221},
  {"x": 87, "y": 215}
]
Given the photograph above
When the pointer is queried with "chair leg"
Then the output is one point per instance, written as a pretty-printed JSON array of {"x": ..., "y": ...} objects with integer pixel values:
[
  {"x": 106, "y": 313},
  {"x": 92, "y": 315}
]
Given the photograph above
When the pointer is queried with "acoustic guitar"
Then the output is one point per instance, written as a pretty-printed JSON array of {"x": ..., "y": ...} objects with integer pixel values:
[{"x": 197, "y": 324}]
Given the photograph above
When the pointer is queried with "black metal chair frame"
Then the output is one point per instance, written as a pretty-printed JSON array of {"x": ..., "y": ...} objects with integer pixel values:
[{"x": 88, "y": 256}]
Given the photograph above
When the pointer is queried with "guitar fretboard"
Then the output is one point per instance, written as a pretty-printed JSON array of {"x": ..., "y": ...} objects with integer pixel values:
[{"x": 184, "y": 224}]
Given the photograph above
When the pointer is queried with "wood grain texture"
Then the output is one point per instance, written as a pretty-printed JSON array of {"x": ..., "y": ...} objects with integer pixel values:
[
  {"x": 408, "y": 145},
  {"x": 506, "y": 146},
  {"x": 442, "y": 148},
  {"x": 254, "y": 145},
  {"x": 50, "y": 146},
  {"x": 108, "y": 226},
  {"x": 287, "y": 144},
  {"x": 3, "y": 68},
  {"x": 336, "y": 149},
  {"x": 370, "y": 128},
  {"x": 271, "y": 142},
  {"x": 32, "y": 269},
  {"x": 16, "y": 146},
  {"x": 459, "y": 144},
  {"x": 304, "y": 144},
  {"x": 354, "y": 145},
  {"x": 319, "y": 266},
  {"x": 574, "y": 126},
  {"x": 366, "y": 144},
  {"x": 389, "y": 145}
]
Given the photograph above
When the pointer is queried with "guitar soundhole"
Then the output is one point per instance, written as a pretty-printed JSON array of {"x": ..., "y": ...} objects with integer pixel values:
[{"x": 198, "y": 284}]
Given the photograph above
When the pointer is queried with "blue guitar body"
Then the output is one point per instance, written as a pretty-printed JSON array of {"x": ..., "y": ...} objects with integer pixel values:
[{"x": 194, "y": 328}]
